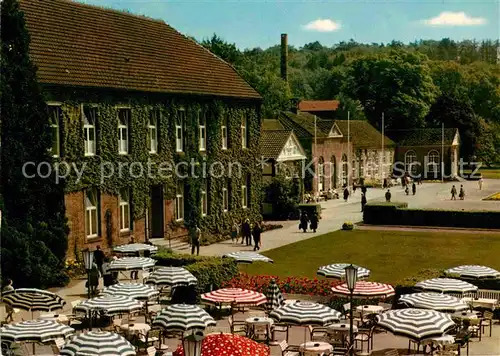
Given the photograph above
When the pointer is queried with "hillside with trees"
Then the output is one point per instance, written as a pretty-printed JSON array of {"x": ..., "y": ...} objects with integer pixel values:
[{"x": 420, "y": 84}]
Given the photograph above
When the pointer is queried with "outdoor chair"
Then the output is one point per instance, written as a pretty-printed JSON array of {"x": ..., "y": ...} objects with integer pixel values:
[
  {"x": 487, "y": 321},
  {"x": 256, "y": 313},
  {"x": 144, "y": 341},
  {"x": 364, "y": 336},
  {"x": 151, "y": 351},
  {"x": 288, "y": 350},
  {"x": 262, "y": 333},
  {"x": 237, "y": 327},
  {"x": 340, "y": 351},
  {"x": 279, "y": 328},
  {"x": 317, "y": 333},
  {"x": 337, "y": 339},
  {"x": 475, "y": 328}
]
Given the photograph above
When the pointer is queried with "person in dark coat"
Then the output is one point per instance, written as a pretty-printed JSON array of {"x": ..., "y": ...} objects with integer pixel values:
[
  {"x": 407, "y": 190},
  {"x": 414, "y": 188},
  {"x": 346, "y": 194},
  {"x": 304, "y": 220},
  {"x": 94, "y": 279},
  {"x": 363, "y": 189},
  {"x": 257, "y": 230},
  {"x": 99, "y": 258},
  {"x": 461, "y": 194},
  {"x": 107, "y": 277},
  {"x": 246, "y": 232},
  {"x": 453, "y": 193},
  {"x": 363, "y": 201},
  {"x": 388, "y": 196},
  {"x": 314, "y": 222}
]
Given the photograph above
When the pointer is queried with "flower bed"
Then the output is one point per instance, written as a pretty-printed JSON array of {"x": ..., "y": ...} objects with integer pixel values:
[
  {"x": 288, "y": 285},
  {"x": 495, "y": 196}
]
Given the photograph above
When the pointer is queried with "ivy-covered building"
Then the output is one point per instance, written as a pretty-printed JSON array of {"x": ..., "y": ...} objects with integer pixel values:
[{"x": 156, "y": 132}]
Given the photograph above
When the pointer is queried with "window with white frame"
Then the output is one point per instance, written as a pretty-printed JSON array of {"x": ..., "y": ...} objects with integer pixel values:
[
  {"x": 179, "y": 130},
  {"x": 91, "y": 213},
  {"x": 244, "y": 196},
  {"x": 202, "y": 130},
  {"x": 124, "y": 210},
  {"x": 321, "y": 174},
  {"x": 123, "y": 130},
  {"x": 224, "y": 135},
  {"x": 204, "y": 200},
  {"x": 179, "y": 202},
  {"x": 410, "y": 161},
  {"x": 89, "y": 114},
  {"x": 225, "y": 197},
  {"x": 244, "y": 134},
  {"x": 433, "y": 161},
  {"x": 154, "y": 117},
  {"x": 55, "y": 121}
]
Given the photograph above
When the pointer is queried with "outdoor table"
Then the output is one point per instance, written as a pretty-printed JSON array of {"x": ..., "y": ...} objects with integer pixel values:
[
  {"x": 438, "y": 342},
  {"x": 481, "y": 302},
  {"x": 315, "y": 348},
  {"x": 256, "y": 322},
  {"x": 290, "y": 301},
  {"x": 369, "y": 309},
  {"x": 465, "y": 315},
  {"x": 135, "y": 328},
  {"x": 60, "y": 318},
  {"x": 341, "y": 327}
]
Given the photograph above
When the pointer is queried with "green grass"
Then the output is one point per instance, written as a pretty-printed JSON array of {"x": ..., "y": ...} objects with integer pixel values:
[
  {"x": 390, "y": 255},
  {"x": 490, "y": 173}
]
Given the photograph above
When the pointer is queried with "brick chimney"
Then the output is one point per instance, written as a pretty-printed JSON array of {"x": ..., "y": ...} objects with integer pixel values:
[{"x": 284, "y": 57}]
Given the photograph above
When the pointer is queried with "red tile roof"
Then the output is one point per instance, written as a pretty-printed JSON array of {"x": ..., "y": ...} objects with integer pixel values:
[
  {"x": 318, "y": 105},
  {"x": 80, "y": 45}
]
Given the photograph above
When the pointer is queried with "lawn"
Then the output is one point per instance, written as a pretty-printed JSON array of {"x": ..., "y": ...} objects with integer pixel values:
[
  {"x": 490, "y": 173},
  {"x": 390, "y": 255}
]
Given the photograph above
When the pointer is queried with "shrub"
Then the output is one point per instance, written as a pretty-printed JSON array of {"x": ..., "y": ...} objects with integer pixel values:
[
  {"x": 310, "y": 209},
  {"x": 347, "y": 225},
  {"x": 398, "y": 214},
  {"x": 211, "y": 272}
]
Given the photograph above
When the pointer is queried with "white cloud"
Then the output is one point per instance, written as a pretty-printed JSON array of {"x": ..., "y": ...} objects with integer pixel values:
[
  {"x": 322, "y": 25},
  {"x": 448, "y": 18}
]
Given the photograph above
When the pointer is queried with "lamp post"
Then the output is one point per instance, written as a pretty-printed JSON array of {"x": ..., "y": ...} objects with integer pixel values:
[
  {"x": 192, "y": 343},
  {"x": 351, "y": 273},
  {"x": 88, "y": 260}
]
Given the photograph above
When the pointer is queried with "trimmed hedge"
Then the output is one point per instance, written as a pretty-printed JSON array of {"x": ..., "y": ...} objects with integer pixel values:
[
  {"x": 212, "y": 272},
  {"x": 310, "y": 209},
  {"x": 398, "y": 214}
]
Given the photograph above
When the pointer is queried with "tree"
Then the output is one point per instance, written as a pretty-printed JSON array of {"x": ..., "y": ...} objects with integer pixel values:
[
  {"x": 397, "y": 84},
  {"x": 34, "y": 229},
  {"x": 284, "y": 195},
  {"x": 226, "y": 51}
]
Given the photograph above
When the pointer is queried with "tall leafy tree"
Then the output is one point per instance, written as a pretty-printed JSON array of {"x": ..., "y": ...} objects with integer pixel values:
[
  {"x": 34, "y": 229},
  {"x": 397, "y": 84}
]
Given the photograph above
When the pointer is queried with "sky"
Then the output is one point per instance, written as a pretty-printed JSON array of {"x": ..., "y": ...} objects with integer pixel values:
[{"x": 259, "y": 23}]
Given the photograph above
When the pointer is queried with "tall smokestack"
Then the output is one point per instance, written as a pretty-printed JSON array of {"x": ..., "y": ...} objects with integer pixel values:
[{"x": 284, "y": 57}]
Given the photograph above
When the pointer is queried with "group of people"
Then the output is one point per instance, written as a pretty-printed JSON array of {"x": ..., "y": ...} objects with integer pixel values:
[
  {"x": 306, "y": 221},
  {"x": 100, "y": 269},
  {"x": 247, "y": 233},
  {"x": 461, "y": 193}
]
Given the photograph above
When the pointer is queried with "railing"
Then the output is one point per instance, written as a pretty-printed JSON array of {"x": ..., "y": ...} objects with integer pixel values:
[{"x": 488, "y": 294}]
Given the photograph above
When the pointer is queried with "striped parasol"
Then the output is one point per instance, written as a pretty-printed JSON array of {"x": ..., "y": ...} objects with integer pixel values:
[
  {"x": 446, "y": 285},
  {"x": 98, "y": 343},
  {"x": 248, "y": 257},
  {"x": 132, "y": 290},
  {"x": 228, "y": 345},
  {"x": 110, "y": 304},
  {"x": 236, "y": 296},
  {"x": 435, "y": 301},
  {"x": 274, "y": 297},
  {"x": 172, "y": 276},
  {"x": 131, "y": 263},
  {"x": 35, "y": 331},
  {"x": 33, "y": 299},
  {"x": 337, "y": 270},
  {"x": 305, "y": 313},
  {"x": 365, "y": 290},
  {"x": 137, "y": 247},
  {"x": 183, "y": 317},
  {"x": 416, "y": 324},
  {"x": 474, "y": 272}
]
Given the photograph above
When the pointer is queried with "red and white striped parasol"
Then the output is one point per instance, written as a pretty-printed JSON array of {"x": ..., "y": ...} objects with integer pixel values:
[
  {"x": 365, "y": 290},
  {"x": 236, "y": 296}
]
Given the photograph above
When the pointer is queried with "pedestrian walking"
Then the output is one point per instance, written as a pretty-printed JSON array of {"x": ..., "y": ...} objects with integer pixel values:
[
  {"x": 354, "y": 187},
  {"x": 8, "y": 309},
  {"x": 195, "y": 240},
  {"x": 94, "y": 279},
  {"x": 363, "y": 189},
  {"x": 453, "y": 193},
  {"x": 246, "y": 232},
  {"x": 346, "y": 193},
  {"x": 134, "y": 274},
  {"x": 480, "y": 182},
  {"x": 363, "y": 201},
  {"x": 461, "y": 194},
  {"x": 314, "y": 222},
  {"x": 388, "y": 196},
  {"x": 304, "y": 220},
  {"x": 256, "y": 232},
  {"x": 413, "y": 188},
  {"x": 99, "y": 258},
  {"x": 407, "y": 190},
  {"x": 234, "y": 232},
  {"x": 107, "y": 277}
]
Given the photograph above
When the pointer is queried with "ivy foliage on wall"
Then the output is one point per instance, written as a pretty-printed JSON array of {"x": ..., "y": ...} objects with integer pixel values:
[{"x": 98, "y": 168}]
